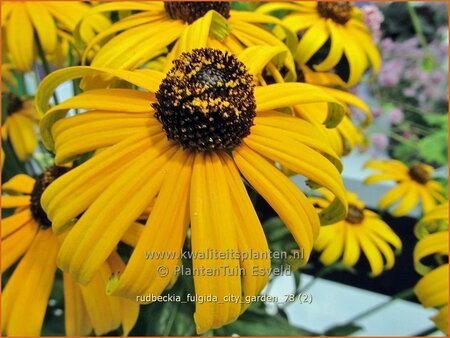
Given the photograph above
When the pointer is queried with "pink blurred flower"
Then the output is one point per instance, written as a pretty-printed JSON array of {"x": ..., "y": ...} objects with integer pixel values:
[
  {"x": 373, "y": 19},
  {"x": 379, "y": 141},
  {"x": 396, "y": 115}
]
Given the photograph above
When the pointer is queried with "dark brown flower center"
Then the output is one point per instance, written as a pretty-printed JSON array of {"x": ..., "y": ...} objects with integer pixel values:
[
  {"x": 192, "y": 10},
  {"x": 355, "y": 215},
  {"x": 419, "y": 174},
  {"x": 206, "y": 101},
  {"x": 42, "y": 182},
  {"x": 14, "y": 103},
  {"x": 338, "y": 11}
]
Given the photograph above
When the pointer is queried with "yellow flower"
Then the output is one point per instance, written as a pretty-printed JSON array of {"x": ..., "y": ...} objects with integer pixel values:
[
  {"x": 432, "y": 289},
  {"x": 50, "y": 20},
  {"x": 19, "y": 126},
  {"x": 338, "y": 21},
  {"x": 28, "y": 239},
  {"x": 139, "y": 38},
  {"x": 433, "y": 221},
  {"x": 184, "y": 144},
  {"x": 363, "y": 230},
  {"x": 8, "y": 79},
  {"x": 413, "y": 184}
]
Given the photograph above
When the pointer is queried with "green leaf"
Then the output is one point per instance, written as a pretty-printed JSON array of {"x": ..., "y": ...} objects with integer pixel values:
[
  {"x": 434, "y": 147},
  {"x": 342, "y": 330},
  {"x": 170, "y": 318},
  {"x": 256, "y": 322}
]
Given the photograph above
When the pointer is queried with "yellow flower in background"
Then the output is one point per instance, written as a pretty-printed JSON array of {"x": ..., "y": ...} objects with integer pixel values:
[
  {"x": 49, "y": 20},
  {"x": 339, "y": 22},
  {"x": 20, "y": 126},
  {"x": 131, "y": 43},
  {"x": 8, "y": 79},
  {"x": 432, "y": 289},
  {"x": 183, "y": 145},
  {"x": 27, "y": 238},
  {"x": 413, "y": 185},
  {"x": 433, "y": 221},
  {"x": 361, "y": 230}
]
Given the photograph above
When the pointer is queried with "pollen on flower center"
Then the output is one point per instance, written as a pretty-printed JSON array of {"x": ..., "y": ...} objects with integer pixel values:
[
  {"x": 419, "y": 174},
  {"x": 355, "y": 215},
  {"x": 338, "y": 11},
  {"x": 206, "y": 101},
  {"x": 14, "y": 103},
  {"x": 192, "y": 10},
  {"x": 42, "y": 182}
]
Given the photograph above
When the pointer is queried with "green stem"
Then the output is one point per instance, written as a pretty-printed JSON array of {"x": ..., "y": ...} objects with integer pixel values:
[
  {"x": 322, "y": 273},
  {"x": 45, "y": 64},
  {"x": 428, "y": 332},
  {"x": 417, "y": 27},
  {"x": 405, "y": 294},
  {"x": 21, "y": 86}
]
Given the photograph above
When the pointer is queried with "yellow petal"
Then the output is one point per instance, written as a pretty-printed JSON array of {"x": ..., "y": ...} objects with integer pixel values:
[
  {"x": 69, "y": 195},
  {"x": 44, "y": 25},
  {"x": 257, "y": 57},
  {"x": 104, "y": 311},
  {"x": 251, "y": 237},
  {"x": 132, "y": 21},
  {"x": 14, "y": 202},
  {"x": 314, "y": 38},
  {"x": 77, "y": 322},
  {"x": 436, "y": 243},
  {"x": 370, "y": 251},
  {"x": 432, "y": 289},
  {"x": 16, "y": 244},
  {"x": 163, "y": 235},
  {"x": 282, "y": 95},
  {"x": 15, "y": 221},
  {"x": 31, "y": 287},
  {"x": 334, "y": 249},
  {"x": 77, "y": 135},
  {"x": 20, "y": 183},
  {"x": 282, "y": 194},
  {"x": 352, "y": 250},
  {"x": 336, "y": 49},
  {"x": 87, "y": 245},
  {"x": 307, "y": 162},
  {"x": 22, "y": 136},
  {"x": 407, "y": 202},
  {"x": 212, "y": 226},
  {"x": 19, "y": 37},
  {"x": 392, "y": 196}
]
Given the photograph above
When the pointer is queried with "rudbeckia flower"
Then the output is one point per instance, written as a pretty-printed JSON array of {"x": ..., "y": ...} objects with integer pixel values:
[
  {"x": 131, "y": 43},
  {"x": 49, "y": 20},
  {"x": 361, "y": 230},
  {"x": 339, "y": 22},
  {"x": 19, "y": 126},
  {"x": 27, "y": 238},
  {"x": 183, "y": 143},
  {"x": 413, "y": 184},
  {"x": 432, "y": 289}
]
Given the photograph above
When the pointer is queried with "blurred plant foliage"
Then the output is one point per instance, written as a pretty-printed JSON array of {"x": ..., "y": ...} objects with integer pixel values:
[{"x": 412, "y": 89}]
